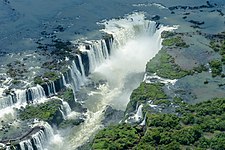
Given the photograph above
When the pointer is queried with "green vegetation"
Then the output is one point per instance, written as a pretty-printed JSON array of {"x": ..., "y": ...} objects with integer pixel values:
[
  {"x": 146, "y": 92},
  {"x": 123, "y": 136},
  {"x": 162, "y": 101},
  {"x": 48, "y": 111},
  {"x": 51, "y": 75},
  {"x": 199, "y": 69},
  {"x": 38, "y": 80},
  {"x": 175, "y": 41},
  {"x": 199, "y": 126},
  {"x": 46, "y": 77},
  {"x": 50, "y": 65},
  {"x": 219, "y": 46},
  {"x": 55, "y": 65},
  {"x": 68, "y": 96},
  {"x": 167, "y": 34},
  {"x": 215, "y": 46},
  {"x": 164, "y": 66},
  {"x": 216, "y": 66}
]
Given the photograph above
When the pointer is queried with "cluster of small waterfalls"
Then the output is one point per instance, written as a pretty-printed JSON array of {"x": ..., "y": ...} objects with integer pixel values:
[{"x": 94, "y": 57}]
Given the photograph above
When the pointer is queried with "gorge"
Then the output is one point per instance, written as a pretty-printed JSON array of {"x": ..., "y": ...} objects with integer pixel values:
[
  {"x": 80, "y": 75},
  {"x": 105, "y": 59}
]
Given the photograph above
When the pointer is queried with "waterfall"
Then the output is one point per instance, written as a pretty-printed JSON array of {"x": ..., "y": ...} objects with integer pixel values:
[
  {"x": 81, "y": 67},
  {"x": 92, "y": 60},
  {"x": 64, "y": 80},
  {"x": 31, "y": 94},
  {"x": 38, "y": 140},
  {"x": 63, "y": 115},
  {"x": 66, "y": 107},
  {"x": 22, "y": 145},
  {"x": 52, "y": 84},
  {"x": 139, "y": 115},
  {"x": 21, "y": 96},
  {"x": 51, "y": 88},
  {"x": 26, "y": 145},
  {"x": 74, "y": 80},
  {"x": 133, "y": 42},
  {"x": 37, "y": 93},
  {"x": 97, "y": 52},
  {"x": 100, "y": 51},
  {"x": 143, "y": 123},
  {"x": 97, "y": 47},
  {"x": 76, "y": 75},
  {"x": 105, "y": 49},
  {"x": 123, "y": 31},
  {"x": 6, "y": 101},
  {"x": 128, "y": 28}
]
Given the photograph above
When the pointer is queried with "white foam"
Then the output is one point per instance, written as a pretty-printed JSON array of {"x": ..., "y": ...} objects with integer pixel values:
[{"x": 147, "y": 79}]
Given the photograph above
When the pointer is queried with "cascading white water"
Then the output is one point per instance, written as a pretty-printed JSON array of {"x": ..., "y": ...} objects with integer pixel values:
[
  {"x": 66, "y": 107},
  {"x": 76, "y": 76},
  {"x": 92, "y": 60},
  {"x": 97, "y": 53},
  {"x": 63, "y": 115},
  {"x": 26, "y": 145},
  {"x": 143, "y": 123},
  {"x": 64, "y": 80},
  {"x": 51, "y": 88},
  {"x": 104, "y": 49},
  {"x": 22, "y": 146},
  {"x": 40, "y": 138},
  {"x": 139, "y": 115},
  {"x": 52, "y": 84},
  {"x": 74, "y": 80},
  {"x": 81, "y": 67},
  {"x": 6, "y": 101},
  {"x": 21, "y": 96},
  {"x": 135, "y": 41},
  {"x": 37, "y": 93}
]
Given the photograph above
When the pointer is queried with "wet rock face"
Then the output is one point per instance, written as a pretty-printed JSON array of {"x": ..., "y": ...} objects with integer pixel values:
[
  {"x": 78, "y": 107},
  {"x": 72, "y": 122},
  {"x": 112, "y": 116}
]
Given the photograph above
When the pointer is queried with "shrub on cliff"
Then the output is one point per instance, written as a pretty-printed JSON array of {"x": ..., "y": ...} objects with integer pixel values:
[
  {"x": 144, "y": 93},
  {"x": 48, "y": 111}
]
